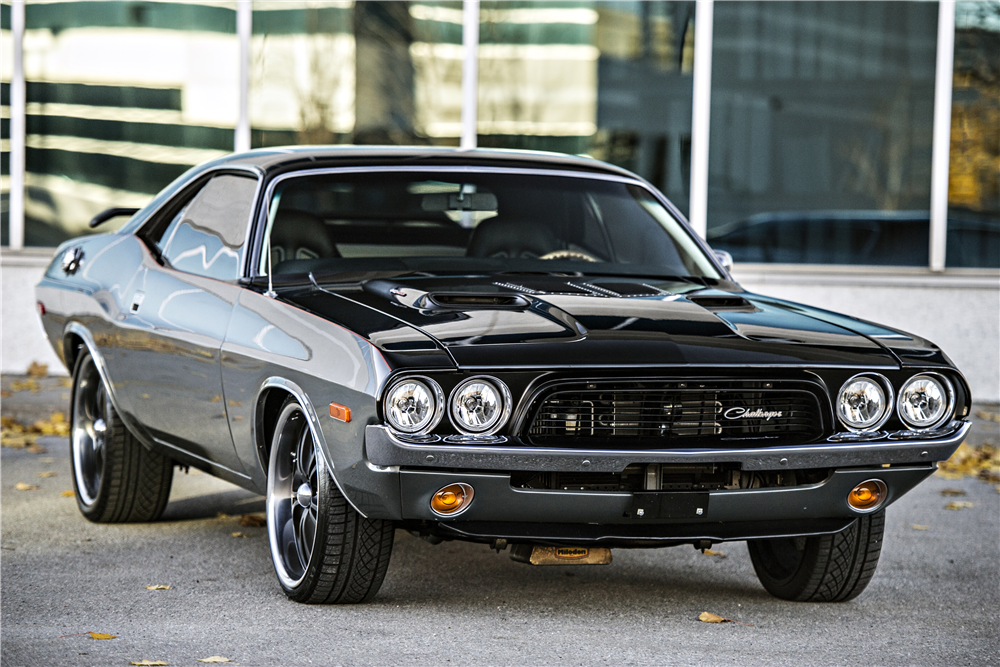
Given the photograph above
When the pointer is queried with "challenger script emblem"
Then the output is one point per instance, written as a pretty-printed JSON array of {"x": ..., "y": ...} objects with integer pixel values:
[{"x": 743, "y": 413}]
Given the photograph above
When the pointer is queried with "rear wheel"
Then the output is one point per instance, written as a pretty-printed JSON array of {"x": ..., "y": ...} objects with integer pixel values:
[
  {"x": 116, "y": 479},
  {"x": 823, "y": 568},
  {"x": 324, "y": 552}
]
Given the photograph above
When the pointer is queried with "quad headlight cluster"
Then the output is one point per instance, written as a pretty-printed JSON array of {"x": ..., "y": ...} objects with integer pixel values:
[
  {"x": 477, "y": 406},
  {"x": 866, "y": 401}
]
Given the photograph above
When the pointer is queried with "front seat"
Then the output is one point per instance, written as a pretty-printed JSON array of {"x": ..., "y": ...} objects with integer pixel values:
[
  {"x": 512, "y": 238},
  {"x": 300, "y": 235}
]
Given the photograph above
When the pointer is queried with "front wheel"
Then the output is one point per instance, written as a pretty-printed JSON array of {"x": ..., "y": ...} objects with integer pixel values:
[
  {"x": 324, "y": 552},
  {"x": 823, "y": 568}
]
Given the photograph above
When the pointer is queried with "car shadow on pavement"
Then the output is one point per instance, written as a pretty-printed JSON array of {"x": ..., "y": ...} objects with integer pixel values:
[{"x": 210, "y": 506}]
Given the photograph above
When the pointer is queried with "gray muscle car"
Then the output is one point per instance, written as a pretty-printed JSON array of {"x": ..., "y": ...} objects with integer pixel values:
[{"x": 529, "y": 351}]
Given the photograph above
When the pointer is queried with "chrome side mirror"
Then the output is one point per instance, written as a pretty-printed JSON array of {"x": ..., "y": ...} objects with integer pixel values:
[{"x": 724, "y": 258}]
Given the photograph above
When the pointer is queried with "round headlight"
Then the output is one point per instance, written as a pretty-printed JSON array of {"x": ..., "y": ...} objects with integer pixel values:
[
  {"x": 414, "y": 405},
  {"x": 480, "y": 406},
  {"x": 925, "y": 401},
  {"x": 862, "y": 404}
]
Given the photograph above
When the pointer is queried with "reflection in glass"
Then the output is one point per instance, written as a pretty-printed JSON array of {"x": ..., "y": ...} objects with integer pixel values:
[
  {"x": 821, "y": 131},
  {"x": 974, "y": 170}
]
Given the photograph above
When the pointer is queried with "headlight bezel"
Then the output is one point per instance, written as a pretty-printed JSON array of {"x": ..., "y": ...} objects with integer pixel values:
[
  {"x": 434, "y": 391},
  {"x": 888, "y": 397},
  {"x": 949, "y": 392},
  {"x": 503, "y": 393}
]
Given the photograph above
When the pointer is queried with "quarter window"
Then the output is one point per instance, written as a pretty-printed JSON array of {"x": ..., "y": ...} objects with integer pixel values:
[{"x": 206, "y": 236}]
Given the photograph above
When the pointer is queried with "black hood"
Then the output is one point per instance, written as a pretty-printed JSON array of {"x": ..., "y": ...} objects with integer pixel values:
[{"x": 565, "y": 321}]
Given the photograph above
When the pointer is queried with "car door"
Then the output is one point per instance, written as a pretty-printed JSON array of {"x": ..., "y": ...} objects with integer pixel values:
[{"x": 178, "y": 315}]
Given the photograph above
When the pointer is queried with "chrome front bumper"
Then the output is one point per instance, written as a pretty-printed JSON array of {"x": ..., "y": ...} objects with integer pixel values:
[{"x": 386, "y": 449}]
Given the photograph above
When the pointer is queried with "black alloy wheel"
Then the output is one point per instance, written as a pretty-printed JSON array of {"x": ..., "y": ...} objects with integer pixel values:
[
  {"x": 821, "y": 568},
  {"x": 116, "y": 479},
  {"x": 323, "y": 550}
]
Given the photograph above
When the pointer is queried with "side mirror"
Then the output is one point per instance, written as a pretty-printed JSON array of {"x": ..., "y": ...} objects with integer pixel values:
[
  {"x": 106, "y": 215},
  {"x": 724, "y": 258}
]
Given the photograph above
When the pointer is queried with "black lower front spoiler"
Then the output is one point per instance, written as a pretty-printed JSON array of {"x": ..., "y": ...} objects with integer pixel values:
[{"x": 630, "y": 535}]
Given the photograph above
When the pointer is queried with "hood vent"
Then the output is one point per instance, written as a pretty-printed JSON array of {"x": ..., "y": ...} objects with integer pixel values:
[
  {"x": 729, "y": 302},
  {"x": 465, "y": 301}
]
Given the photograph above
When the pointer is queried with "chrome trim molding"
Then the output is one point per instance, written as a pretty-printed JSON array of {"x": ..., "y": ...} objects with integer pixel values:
[
  {"x": 384, "y": 449},
  {"x": 314, "y": 426}
]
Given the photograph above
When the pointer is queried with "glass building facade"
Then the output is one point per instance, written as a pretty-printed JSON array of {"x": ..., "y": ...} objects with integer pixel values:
[{"x": 821, "y": 112}]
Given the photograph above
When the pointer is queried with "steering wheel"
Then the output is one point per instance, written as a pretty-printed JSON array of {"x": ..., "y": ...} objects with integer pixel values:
[{"x": 569, "y": 254}]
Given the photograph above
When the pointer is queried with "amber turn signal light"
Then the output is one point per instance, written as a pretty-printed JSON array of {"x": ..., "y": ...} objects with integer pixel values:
[
  {"x": 868, "y": 495},
  {"x": 452, "y": 499},
  {"x": 340, "y": 412}
]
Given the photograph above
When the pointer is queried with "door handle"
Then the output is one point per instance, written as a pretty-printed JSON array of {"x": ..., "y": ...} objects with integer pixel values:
[{"x": 137, "y": 301}]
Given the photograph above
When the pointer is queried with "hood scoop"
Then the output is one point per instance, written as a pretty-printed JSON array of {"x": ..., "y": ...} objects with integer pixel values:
[
  {"x": 723, "y": 303},
  {"x": 467, "y": 301}
]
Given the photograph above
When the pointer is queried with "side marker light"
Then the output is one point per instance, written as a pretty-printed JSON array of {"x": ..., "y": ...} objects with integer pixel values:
[{"x": 340, "y": 412}]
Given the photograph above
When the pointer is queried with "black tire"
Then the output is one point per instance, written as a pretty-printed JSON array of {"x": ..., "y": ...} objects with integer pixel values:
[
  {"x": 823, "y": 568},
  {"x": 116, "y": 479},
  {"x": 323, "y": 551}
]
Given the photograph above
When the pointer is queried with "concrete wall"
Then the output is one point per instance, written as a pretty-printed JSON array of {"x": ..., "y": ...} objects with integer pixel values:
[{"x": 958, "y": 311}]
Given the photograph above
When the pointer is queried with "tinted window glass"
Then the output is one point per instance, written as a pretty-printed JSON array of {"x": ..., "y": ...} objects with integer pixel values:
[
  {"x": 512, "y": 221},
  {"x": 206, "y": 236}
]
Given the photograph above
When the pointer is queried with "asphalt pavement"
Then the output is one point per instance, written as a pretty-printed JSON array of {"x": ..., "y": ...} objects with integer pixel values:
[{"x": 935, "y": 599}]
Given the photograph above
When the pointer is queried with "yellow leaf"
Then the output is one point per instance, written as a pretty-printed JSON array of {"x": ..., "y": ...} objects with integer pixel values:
[
  {"x": 214, "y": 658},
  {"x": 958, "y": 505},
  {"x": 66, "y": 382},
  {"x": 952, "y": 492},
  {"x": 35, "y": 448},
  {"x": 253, "y": 521},
  {"x": 215, "y": 399},
  {"x": 38, "y": 370},
  {"x": 101, "y": 635},
  {"x": 20, "y": 385},
  {"x": 239, "y": 534},
  {"x": 68, "y": 493},
  {"x": 150, "y": 663},
  {"x": 709, "y": 617},
  {"x": 709, "y": 552},
  {"x": 917, "y": 526},
  {"x": 48, "y": 473},
  {"x": 988, "y": 416},
  {"x": 158, "y": 587},
  {"x": 21, "y": 486},
  {"x": 17, "y": 440}
]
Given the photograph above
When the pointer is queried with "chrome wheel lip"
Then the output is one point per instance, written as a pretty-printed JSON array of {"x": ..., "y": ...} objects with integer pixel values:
[
  {"x": 89, "y": 432},
  {"x": 286, "y": 512}
]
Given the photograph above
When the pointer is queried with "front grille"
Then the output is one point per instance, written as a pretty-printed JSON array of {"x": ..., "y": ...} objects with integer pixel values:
[{"x": 685, "y": 414}]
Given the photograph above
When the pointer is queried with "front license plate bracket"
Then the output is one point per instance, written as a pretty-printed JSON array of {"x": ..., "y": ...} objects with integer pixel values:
[{"x": 654, "y": 505}]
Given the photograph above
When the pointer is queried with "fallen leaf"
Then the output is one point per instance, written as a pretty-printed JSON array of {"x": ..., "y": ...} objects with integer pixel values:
[
  {"x": 16, "y": 439},
  {"x": 222, "y": 515},
  {"x": 239, "y": 534},
  {"x": 917, "y": 526},
  {"x": 214, "y": 658},
  {"x": 56, "y": 424},
  {"x": 101, "y": 635},
  {"x": 30, "y": 384},
  {"x": 988, "y": 416},
  {"x": 709, "y": 617},
  {"x": 68, "y": 493},
  {"x": 21, "y": 486},
  {"x": 158, "y": 587},
  {"x": 253, "y": 521},
  {"x": 66, "y": 382},
  {"x": 46, "y": 459},
  {"x": 5, "y": 394},
  {"x": 150, "y": 663},
  {"x": 709, "y": 552},
  {"x": 48, "y": 473},
  {"x": 38, "y": 370},
  {"x": 958, "y": 505},
  {"x": 215, "y": 399},
  {"x": 35, "y": 448},
  {"x": 952, "y": 492},
  {"x": 982, "y": 461}
]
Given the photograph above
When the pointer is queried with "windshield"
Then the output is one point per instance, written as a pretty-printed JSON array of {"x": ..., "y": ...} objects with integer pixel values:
[{"x": 473, "y": 221}]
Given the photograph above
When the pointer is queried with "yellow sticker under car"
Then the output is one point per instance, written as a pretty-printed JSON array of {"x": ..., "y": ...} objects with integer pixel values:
[{"x": 572, "y": 553}]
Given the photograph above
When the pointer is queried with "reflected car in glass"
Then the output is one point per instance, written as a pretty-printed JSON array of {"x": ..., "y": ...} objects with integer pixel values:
[{"x": 529, "y": 351}]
